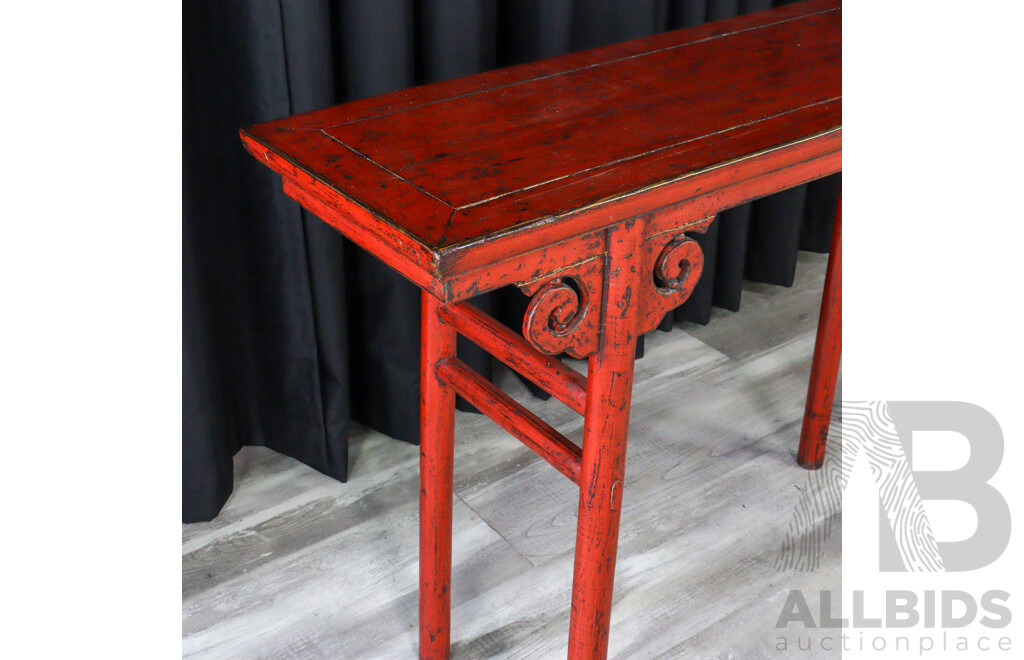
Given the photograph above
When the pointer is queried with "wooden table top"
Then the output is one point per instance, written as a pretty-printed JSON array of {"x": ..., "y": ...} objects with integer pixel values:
[{"x": 444, "y": 168}]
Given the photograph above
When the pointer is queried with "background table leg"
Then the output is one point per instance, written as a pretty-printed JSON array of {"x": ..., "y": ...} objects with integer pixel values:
[
  {"x": 828, "y": 350},
  {"x": 437, "y": 425},
  {"x": 609, "y": 390}
]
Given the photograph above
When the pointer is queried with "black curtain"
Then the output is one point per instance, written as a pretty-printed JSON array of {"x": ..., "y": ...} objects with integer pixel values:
[{"x": 289, "y": 331}]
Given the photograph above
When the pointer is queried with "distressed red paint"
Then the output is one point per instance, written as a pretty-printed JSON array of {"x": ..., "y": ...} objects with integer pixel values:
[
  {"x": 564, "y": 383},
  {"x": 534, "y": 432},
  {"x": 828, "y": 349},
  {"x": 581, "y": 180},
  {"x": 437, "y": 439},
  {"x": 609, "y": 390}
]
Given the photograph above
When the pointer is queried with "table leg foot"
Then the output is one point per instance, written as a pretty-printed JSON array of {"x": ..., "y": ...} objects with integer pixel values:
[
  {"x": 828, "y": 349},
  {"x": 437, "y": 425}
]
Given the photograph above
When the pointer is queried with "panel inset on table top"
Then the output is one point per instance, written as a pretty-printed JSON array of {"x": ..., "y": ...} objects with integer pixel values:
[
  {"x": 444, "y": 167},
  {"x": 496, "y": 142}
]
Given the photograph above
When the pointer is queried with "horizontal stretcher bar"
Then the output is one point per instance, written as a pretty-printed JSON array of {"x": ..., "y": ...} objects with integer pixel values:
[
  {"x": 565, "y": 384},
  {"x": 531, "y": 430}
]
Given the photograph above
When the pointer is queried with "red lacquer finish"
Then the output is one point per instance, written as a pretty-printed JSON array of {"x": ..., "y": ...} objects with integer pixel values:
[
  {"x": 609, "y": 390},
  {"x": 828, "y": 350},
  {"x": 562, "y": 382},
  {"x": 581, "y": 180},
  {"x": 458, "y": 175},
  {"x": 532, "y": 431},
  {"x": 676, "y": 262},
  {"x": 437, "y": 436}
]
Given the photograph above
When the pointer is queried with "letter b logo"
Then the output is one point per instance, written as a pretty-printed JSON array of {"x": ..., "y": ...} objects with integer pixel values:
[{"x": 967, "y": 484}]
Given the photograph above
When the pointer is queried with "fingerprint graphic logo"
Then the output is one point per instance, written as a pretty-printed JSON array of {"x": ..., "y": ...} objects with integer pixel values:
[
  {"x": 815, "y": 516},
  {"x": 881, "y": 432}
]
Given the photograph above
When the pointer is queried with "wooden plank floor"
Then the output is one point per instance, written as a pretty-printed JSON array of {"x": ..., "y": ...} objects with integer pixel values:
[{"x": 300, "y": 566}]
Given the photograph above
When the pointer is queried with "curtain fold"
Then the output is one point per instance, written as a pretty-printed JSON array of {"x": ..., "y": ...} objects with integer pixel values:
[{"x": 290, "y": 332}]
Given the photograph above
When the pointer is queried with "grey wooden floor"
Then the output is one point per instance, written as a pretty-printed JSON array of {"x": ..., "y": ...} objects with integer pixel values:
[{"x": 300, "y": 566}]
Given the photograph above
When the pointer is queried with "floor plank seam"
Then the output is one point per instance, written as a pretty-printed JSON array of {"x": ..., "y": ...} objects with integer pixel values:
[{"x": 491, "y": 527}]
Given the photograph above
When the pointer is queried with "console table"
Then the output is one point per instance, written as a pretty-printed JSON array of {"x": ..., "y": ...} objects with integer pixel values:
[{"x": 578, "y": 179}]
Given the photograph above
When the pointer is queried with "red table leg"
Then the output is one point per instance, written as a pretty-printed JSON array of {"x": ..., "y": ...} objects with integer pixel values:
[
  {"x": 437, "y": 426},
  {"x": 828, "y": 349},
  {"x": 609, "y": 389}
]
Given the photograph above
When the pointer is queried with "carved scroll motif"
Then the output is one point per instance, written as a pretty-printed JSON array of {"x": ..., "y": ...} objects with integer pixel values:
[
  {"x": 676, "y": 263},
  {"x": 564, "y": 315}
]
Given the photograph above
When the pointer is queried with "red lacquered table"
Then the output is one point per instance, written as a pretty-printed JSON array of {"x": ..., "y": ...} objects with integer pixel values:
[{"x": 576, "y": 179}]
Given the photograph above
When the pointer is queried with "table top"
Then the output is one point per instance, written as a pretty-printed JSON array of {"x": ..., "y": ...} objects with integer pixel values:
[{"x": 452, "y": 165}]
